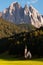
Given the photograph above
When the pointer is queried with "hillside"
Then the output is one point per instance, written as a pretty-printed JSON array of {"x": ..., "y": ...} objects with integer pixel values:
[
  {"x": 7, "y": 28},
  {"x": 15, "y": 37},
  {"x": 27, "y": 27}
]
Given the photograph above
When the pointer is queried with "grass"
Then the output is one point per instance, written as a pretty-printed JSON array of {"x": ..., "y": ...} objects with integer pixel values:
[
  {"x": 8, "y": 60},
  {"x": 25, "y": 62}
]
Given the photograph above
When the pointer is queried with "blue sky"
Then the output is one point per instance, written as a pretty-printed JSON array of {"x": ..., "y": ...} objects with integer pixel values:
[{"x": 38, "y": 4}]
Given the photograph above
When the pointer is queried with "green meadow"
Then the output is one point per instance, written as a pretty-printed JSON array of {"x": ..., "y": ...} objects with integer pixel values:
[{"x": 8, "y": 60}]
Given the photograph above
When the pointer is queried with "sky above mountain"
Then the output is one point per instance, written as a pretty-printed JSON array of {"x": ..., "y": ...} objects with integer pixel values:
[{"x": 38, "y": 4}]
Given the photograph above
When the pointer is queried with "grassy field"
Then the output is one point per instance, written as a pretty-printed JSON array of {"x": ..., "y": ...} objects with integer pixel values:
[
  {"x": 6, "y": 59},
  {"x": 25, "y": 62}
]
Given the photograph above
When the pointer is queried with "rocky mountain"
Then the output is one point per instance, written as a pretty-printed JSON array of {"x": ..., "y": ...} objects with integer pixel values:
[
  {"x": 0, "y": 14},
  {"x": 27, "y": 15},
  {"x": 42, "y": 15}
]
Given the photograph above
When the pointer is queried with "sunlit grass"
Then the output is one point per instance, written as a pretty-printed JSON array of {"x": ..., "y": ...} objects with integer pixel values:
[
  {"x": 6, "y": 59},
  {"x": 25, "y": 62}
]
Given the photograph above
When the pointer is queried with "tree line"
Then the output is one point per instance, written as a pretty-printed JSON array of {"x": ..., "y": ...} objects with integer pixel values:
[{"x": 15, "y": 45}]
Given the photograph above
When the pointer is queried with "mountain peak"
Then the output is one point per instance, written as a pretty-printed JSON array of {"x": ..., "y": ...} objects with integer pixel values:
[
  {"x": 26, "y": 6},
  {"x": 15, "y": 13},
  {"x": 32, "y": 9},
  {"x": 15, "y": 4}
]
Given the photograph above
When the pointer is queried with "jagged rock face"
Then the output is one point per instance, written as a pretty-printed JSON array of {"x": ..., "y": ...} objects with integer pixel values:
[
  {"x": 36, "y": 18},
  {"x": 15, "y": 13},
  {"x": 12, "y": 13},
  {"x": 42, "y": 15},
  {"x": 0, "y": 14}
]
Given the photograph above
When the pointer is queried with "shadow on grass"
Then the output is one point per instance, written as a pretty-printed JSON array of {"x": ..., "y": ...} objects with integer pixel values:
[
  {"x": 7, "y": 57},
  {"x": 10, "y": 58},
  {"x": 38, "y": 59}
]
